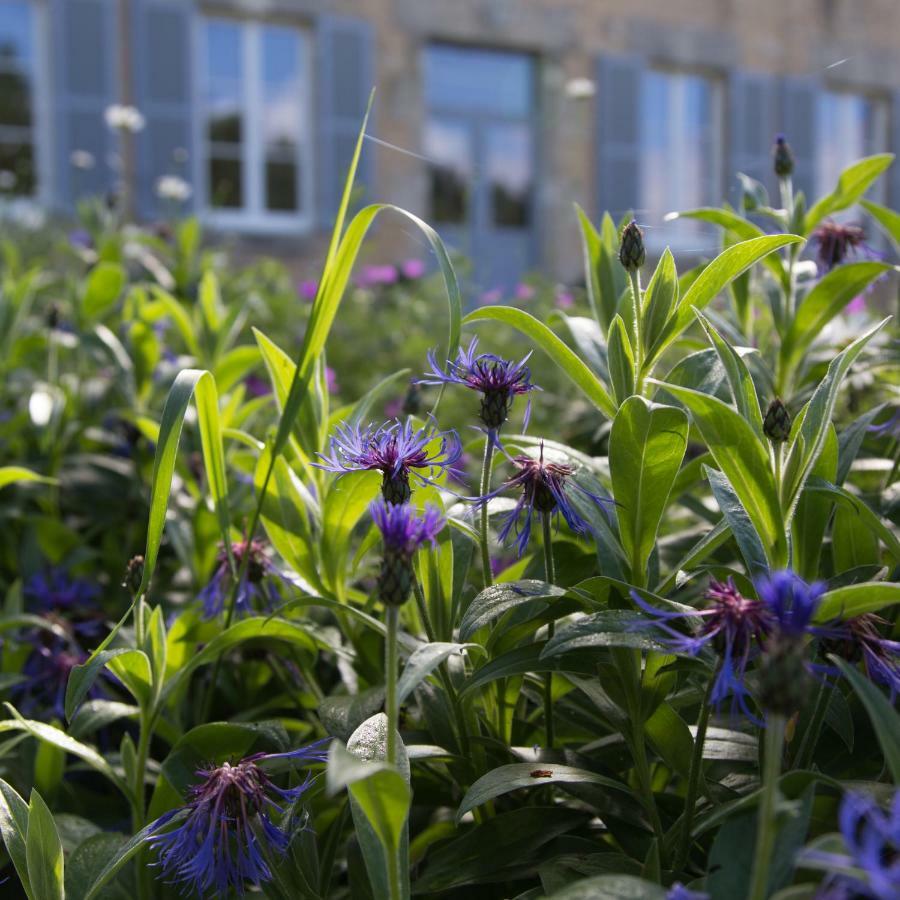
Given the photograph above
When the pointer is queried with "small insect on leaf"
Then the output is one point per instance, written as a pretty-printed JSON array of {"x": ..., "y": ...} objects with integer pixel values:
[{"x": 541, "y": 773}]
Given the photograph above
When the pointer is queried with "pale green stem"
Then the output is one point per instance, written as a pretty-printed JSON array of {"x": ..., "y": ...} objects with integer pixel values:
[
  {"x": 635, "y": 278},
  {"x": 392, "y": 620},
  {"x": 550, "y": 578},
  {"x": 483, "y": 535},
  {"x": 768, "y": 804}
]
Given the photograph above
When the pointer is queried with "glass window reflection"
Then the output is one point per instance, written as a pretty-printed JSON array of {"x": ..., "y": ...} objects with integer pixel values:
[
  {"x": 448, "y": 147},
  {"x": 17, "y": 63}
]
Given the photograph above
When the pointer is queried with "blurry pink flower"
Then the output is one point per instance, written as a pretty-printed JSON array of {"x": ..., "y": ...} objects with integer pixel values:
[
  {"x": 412, "y": 269},
  {"x": 393, "y": 408},
  {"x": 492, "y": 296},
  {"x": 331, "y": 380},
  {"x": 376, "y": 276},
  {"x": 856, "y": 305},
  {"x": 524, "y": 291},
  {"x": 307, "y": 289},
  {"x": 564, "y": 299}
]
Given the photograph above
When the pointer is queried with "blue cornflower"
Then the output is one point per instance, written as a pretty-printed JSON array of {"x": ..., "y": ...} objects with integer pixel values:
[
  {"x": 396, "y": 450},
  {"x": 225, "y": 837},
  {"x": 679, "y": 892},
  {"x": 55, "y": 590},
  {"x": 791, "y": 601},
  {"x": 403, "y": 532},
  {"x": 498, "y": 380},
  {"x": 872, "y": 838},
  {"x": 258, "y": 582},
  {"x": 836, "y": 242},
  {"x": 859, "y": 639},
  {"x": 733, "y": 625},
  {"x": 545, "y": 487},
  {"x": 890, "y": 428}
]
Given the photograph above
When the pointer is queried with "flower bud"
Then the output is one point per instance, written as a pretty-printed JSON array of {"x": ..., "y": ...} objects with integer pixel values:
[
  {"x": 134, "y": 574},
  {"x": 395, "y": 578},
  {"x": 631, "y": 249},
  {"x": 784, "y": 679},
  {"x": 777, "y": 423},
  {"x": 395, "y": 488},
  {"x": 495, "y": 408},
  {"x": 783, "y": 158}
]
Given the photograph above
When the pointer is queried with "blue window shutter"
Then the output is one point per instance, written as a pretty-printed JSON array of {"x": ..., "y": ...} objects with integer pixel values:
[
  {"x": 797, "y": 121},
  {"x": 164, "y": 92},
  {"x": 752, "y": 110},
  {"x": 346, "y": 76},
  {"x": 894, "y": 147},
  {"x": 84, "y": 42},
  {"x": 618, "y": 134}
]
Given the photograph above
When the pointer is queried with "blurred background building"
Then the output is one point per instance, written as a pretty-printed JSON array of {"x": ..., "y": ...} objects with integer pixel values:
[{"x": 492, "y": 117}]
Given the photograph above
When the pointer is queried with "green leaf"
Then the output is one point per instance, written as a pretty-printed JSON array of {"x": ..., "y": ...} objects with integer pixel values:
[
  {"x": 526, "y": 775},
  {"x": 856, "y": 599},
  {"x": 714, "y": 278},
  {"x": 102, "y": 289},
  {"x": 646, "y": 447},
  {"x": 828, "y": 297},
  {"x": 671, "y": 737},
  {"x": 527, "y": 659},
  {"x": 423, "y": 661},
  {"x": 883, "y": 714},
  {"x": 18, "y": 474},
  {"x": 744, "y": 462},
  {"x": 43, "y": 851},
  {"x": 660, "y": 298},
  {"x": 571, "y": 365},
  {"x": 886, "y": 218},
  {"x": 620, "y": 358},
  {"x": 211, "y": 302},
  {"x": 610, "y": 887},
  {"x": 854, "y": 181},
  {"x": 852, "y": 547},
  {"x": 87, "y": 859},
  {"x": 497, "y": 599},
  {"x": 739, "y": 523},
  {"x": 14, "y": 828},
  {"x": 82, "y": 677},
  {"x": 608, "y": 628}
]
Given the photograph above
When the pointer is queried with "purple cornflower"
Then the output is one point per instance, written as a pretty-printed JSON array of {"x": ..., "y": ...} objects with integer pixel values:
[
  {"x": 308, "y": 289},
  {"x": 225, "y": 838},
  {"x": 258, "y": 580},
  {"x": 836, "y": 243},
  {"x": 890, "y": 428},
  {"x": 564, "y": 299},
  {"x": 545, "y": 488},
  {"x": 679, "y": 892},
  {"x": 733, "y": 625},
  {"x": 859, "y": 639},
  {"x": 55, "y": 591},
  {"x": 525, "y": 291},
  {"x": 257, "y": 387},
  {"x": 377, "y": 276},
  {"x": 411, "y": 269},
  {"x": 395, "y": 449},
  {"x": 498, "y": 380},
  {"x": 791, "y": 602},
  {"x": 331, "y": 382},
  {"x": 872, "y": 838},
  {"x": 489, "y": 298},
  {"x": 403, "y": 532}
]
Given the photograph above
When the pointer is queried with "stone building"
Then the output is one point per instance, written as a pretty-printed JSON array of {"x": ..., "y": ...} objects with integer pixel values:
[{"x": 491, "y": 118}]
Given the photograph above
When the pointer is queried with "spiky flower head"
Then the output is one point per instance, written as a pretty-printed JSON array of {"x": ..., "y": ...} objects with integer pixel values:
[
  {"x": 397, "y": 450},
  {"x": 782, "y": 157},
  {"x": 631, "y": 248},
  {"x": 836, "y": 242},
  {"x": 545, "y": 487},
  {"x": 860, "y": 639},
  {"x": 498, "y": 380},
  {"x": 403, "y": 532},
  {"x": 872, "y": 839},
  {"x": 777, "y": 422},
  {"x": 258, "y": 579},
  {"x": 225, "y": 837}
]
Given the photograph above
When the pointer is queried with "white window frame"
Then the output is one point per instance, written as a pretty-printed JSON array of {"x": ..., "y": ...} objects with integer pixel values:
[
  {"x": 669, "y": 235},
  {"x": 253, "y": 217},
  {"x": 41, "y": 136}
]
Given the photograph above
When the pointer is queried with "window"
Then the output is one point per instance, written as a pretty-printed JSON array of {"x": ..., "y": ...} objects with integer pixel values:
[
  {"x": 256, "y": 134},
  {"x": 681, "y": 135},
  {"x": 848, "y": 126},
  {"x": 19, "y": 163}
]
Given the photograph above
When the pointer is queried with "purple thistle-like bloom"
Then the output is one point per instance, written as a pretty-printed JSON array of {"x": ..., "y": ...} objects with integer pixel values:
[
  {"x": 498, "y": 380},
  {"x": 859, "y": 639},
  {"x": 258, "y": 582},
  {"x": 411, "y": 269},
  {"x": 546, "y": 488},
  {"x": 377, "y": 276},
  {"x": 733, "y": 625},
  {"x": 835, "y": 243},
  {"x": 791, "y": 601},
  {"x": 395, "y": 449},
  {"x": 872, "y": 838},
  {"x": 225, "y": 838},
  {"x": 308, "y": 289}
]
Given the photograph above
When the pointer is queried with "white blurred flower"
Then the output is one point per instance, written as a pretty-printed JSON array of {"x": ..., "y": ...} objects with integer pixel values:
[
  {"x": 171, "y": 187},
  {"x": 580, "y": 88},
  {"x": 82, "y": 159},
  {"x": 124, "y": 118},
  {"x": 40, "y": 407},
  {"x": 7, "y": 180}
]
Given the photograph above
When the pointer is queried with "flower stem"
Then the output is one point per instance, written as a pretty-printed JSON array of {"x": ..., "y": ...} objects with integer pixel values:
[
  {"x": 549, "y": 577},
  {"x": 814, "y": 729},
  {"x": 765, "y": 821},
  {"x": 694, "y": 776},
  {"x": 645, "y": 782},
  {"x": 486, "y": 574},
  {"x": 635, "y": 277},
  {"x": 392, "y": 618},
  {"x": 138, "y": 809}
]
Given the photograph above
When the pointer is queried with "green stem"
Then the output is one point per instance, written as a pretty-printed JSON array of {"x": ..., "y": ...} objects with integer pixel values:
[
  {"x": 392, "y": 620},
  {"x": 695, "y": 775},
  {"x": 645, "y": 783},
  {"x": 486, "y": 573},
  {"x": 765, "y": 822},
  {"x": 814, "y": 729},
  {"x": 422, "y": 606},
  {"x": 635, "y": 277},
  {"x": 550, "y": 578},
  {"x": 138, "y": 809}
]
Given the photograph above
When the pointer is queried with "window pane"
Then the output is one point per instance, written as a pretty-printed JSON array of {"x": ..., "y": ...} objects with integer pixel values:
[
  {"x": 281, "y": 186},
  {"x": 510, "y": 170},
  {"x": 281, "y": 88},
  {"x": 224, "y": 76},
  {"x": 17, "y": 172},
  {"x": 225, "y": 187},
  {"x": 16, "y": 62},
  {"x": 449, "y": 151}
]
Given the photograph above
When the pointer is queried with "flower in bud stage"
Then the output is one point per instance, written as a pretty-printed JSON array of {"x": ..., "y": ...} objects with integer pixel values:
[
  {"x": 403, "y": 532},
  {"x": 258, "y": 579},
  {"x": 777, "y": 422},
  {"x": 134, "y": 574},
  {"x": 836, "y": 242},
  {"x": 397, "y": 451},
  {"x": 782, "y": 157},
  {"x": 631, "y": 249},
  {"x": 546, "y": 487},
  {"x": 225, "y": 837},
  {"x": 498, "y": 380}
]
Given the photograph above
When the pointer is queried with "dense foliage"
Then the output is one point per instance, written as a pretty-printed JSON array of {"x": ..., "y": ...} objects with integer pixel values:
[{"x": 628, "y": 604}]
